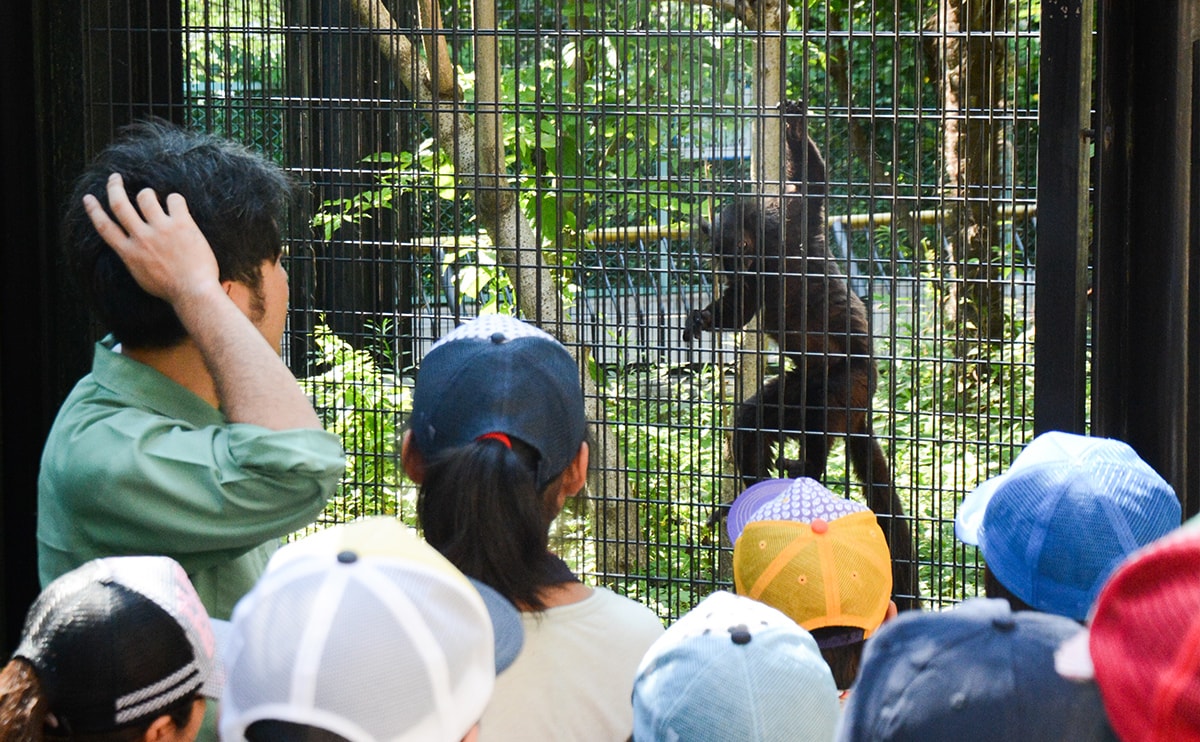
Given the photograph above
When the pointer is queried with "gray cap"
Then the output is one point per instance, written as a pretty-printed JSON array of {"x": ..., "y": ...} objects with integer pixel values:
[{"x": 980, "y": 672}]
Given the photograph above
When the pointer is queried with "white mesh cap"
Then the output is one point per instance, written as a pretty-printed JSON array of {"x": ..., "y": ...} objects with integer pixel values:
[{"x": 366, "y": 631}]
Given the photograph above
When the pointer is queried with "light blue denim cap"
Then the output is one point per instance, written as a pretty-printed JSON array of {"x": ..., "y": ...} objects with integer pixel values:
[{"x": 733, "y": 668}]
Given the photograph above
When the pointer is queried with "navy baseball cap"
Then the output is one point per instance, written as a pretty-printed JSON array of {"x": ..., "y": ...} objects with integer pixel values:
[{"x": 497, "y": 374}]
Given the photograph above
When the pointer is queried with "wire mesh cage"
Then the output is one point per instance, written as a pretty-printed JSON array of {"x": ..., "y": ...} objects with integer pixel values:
[{"x": 564, "y": 159}]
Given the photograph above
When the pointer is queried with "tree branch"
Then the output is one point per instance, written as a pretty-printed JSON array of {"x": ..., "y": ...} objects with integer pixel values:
[{"x": 476, "y": 151}]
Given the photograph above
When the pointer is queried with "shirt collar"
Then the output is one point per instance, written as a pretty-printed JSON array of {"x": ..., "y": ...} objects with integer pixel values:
[{"x": 154, "y": 391}]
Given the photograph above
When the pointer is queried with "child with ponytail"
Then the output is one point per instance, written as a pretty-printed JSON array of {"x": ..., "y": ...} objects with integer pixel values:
[{"x": 497, "y": 442}]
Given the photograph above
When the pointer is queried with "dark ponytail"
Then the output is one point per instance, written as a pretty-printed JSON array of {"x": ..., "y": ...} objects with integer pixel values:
[{"x": 480, "y": 507}]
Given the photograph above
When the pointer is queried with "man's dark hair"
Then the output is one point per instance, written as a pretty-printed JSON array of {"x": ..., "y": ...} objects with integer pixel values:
[
  {"x": 235, "y": 195},
  {"x": 993, "y": 588}
]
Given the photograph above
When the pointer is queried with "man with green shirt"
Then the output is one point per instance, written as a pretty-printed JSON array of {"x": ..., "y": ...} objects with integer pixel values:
[{"x": 190, "y": 437}]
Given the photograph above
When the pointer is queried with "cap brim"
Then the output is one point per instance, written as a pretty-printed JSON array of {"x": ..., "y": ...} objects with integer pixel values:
[
  {"x": 969, "y": 519},
  {"x": 748, "y": 503},
  {"x": 1053, "y": 447},
  {"x": 222, "y": 632},
  {"x": 507, "y": 630}
]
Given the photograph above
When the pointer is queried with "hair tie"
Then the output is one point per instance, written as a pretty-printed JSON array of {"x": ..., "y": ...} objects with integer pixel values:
[{"x": 496, "y": 437}]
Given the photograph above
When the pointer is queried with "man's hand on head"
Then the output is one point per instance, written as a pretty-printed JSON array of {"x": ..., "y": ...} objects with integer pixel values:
[
  {"x": 169, "y": 257},
  {"x": 165, "y": 252}
]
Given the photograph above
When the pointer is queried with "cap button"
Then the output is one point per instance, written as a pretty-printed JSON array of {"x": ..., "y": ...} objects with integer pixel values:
[
  {"x": 1004, "y": 623},
  {"x": 739, "y": 634},
  {"x": 819, "y": 525},
  {"x": 347, "y": 557},
  {"x": 498, "y": 337}
]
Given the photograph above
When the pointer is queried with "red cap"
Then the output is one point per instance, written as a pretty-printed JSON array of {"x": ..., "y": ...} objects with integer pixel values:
[{"x": 1145, "y": 642}]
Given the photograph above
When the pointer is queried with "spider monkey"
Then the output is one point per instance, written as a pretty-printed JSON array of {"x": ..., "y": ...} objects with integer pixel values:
[{"x": 772, "y": 255}]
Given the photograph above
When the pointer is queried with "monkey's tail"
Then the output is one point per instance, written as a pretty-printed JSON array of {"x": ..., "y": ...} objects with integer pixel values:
[{"x": 869, "y": 463}]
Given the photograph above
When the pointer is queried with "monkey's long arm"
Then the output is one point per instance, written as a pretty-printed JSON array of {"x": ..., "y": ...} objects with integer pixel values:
[{"x": 731, "y": 310}]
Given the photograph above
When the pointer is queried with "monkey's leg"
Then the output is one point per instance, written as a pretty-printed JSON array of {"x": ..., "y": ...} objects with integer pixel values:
[
  {"x": 815, "y": 454},
  {"x": 817, "y": 424},
  {"x": 763, "y": 423}
]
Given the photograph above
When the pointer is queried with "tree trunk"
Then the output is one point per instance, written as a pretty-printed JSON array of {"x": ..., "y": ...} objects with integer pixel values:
[
  {"x": 475, "y": 148},
  {"x": 974, "y": 63}
]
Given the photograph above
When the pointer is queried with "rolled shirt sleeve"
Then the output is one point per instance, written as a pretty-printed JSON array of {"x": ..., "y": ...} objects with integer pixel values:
[{"x": 136, "y": 464}]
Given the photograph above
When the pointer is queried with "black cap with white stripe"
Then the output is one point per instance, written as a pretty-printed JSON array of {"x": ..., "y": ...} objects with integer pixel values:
[{"x": 118, "y": 641}]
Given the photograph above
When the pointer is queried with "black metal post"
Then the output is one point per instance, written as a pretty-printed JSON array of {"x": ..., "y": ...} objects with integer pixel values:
[
  {"x": 44, "y": 336},
  {"x": 1063, "y": 150},
  {"x": 1144, "y": 235},
  {"x": 74, "y": 73}
]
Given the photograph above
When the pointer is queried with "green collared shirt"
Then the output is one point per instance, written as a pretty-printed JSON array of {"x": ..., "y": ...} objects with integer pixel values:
[{"x": 136, "y": 464}]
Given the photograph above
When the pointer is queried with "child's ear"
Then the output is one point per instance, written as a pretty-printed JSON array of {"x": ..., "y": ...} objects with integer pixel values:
[
  {"x": 892, "y": 610},
  {"x": 575, "y": 476},
  {"x": 410, "y": 457},
  {"x": 160, "y": 729}
]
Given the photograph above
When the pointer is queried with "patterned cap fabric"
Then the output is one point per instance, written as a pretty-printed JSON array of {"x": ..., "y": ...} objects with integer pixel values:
[
  {"x": 821, "y": 573},
  {"x": 497, "y": 374},
  {"x": 117, "y": 641},
  {"x": 978, "y": 672},
  {"x": 1145, "y": 642},
  {"x": 366, "y": 631},
  {"x": 733, "y": 668},
  {"x": 1066, "y": 513},
  {"x": 803, "y": 500}
]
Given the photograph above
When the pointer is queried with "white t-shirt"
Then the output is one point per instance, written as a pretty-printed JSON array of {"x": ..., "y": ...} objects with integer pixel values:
[{"x": 574, "y": 677}]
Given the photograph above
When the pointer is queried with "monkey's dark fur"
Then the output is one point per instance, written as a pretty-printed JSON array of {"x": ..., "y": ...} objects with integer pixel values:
[{"x": 775, "y": 263}]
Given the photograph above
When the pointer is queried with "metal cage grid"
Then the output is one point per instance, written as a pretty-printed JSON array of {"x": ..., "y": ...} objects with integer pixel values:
[{"x": 617, "y": 128}]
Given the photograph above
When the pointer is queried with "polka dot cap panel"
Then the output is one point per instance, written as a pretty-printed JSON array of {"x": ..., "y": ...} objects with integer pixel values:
[
  {"x": 805, "y": 501},
  {"x": 490, "y": 325}
]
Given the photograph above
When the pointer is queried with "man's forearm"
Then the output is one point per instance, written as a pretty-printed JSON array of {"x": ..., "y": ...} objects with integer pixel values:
[{"x": 252, "y": 382}]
